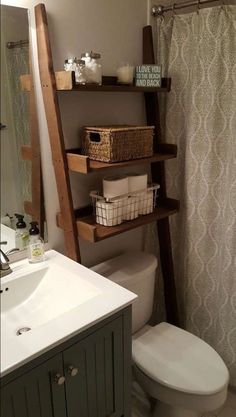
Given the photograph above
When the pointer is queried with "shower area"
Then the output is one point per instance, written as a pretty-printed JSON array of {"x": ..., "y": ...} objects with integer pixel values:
[
  {"x": 15, "y": 173},
  {"x": 197, "y": 49}
]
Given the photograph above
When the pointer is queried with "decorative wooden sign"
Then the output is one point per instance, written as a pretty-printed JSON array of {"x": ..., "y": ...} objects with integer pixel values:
[{"x": 148, "y": 76}]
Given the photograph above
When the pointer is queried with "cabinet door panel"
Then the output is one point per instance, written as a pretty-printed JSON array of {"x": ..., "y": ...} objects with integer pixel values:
[
  {"x": 35, "y": 394},
  {"x": 76, "y": 387},
  {"x": 97, "y": 389}
]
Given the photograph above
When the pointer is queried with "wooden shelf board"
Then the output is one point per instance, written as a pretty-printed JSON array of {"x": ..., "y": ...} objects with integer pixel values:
[
  {"x": 65, "y": 81},
  {"x": 89, "y": 230},
  {"x": 81, "y": 163},
  {"x": 118, "y": 88}
]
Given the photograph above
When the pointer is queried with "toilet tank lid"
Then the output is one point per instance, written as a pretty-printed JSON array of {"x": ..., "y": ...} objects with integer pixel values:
[{"x": 132, "y": 264}]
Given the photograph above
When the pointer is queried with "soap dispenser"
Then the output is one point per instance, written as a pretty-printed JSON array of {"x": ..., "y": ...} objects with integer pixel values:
[
  {"x": 22, "y": 234},
  {"x": 36, "y": 244}
]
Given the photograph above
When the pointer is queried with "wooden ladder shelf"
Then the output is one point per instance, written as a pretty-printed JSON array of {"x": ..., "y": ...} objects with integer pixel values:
[{"x": 81, "y": 222}]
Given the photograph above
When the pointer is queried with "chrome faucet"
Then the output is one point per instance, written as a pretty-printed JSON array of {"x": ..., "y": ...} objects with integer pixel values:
[{"x": 5, "y": 268}]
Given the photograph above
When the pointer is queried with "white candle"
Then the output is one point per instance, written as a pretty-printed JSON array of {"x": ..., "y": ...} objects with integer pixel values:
[{"x": 125, "y": 74}]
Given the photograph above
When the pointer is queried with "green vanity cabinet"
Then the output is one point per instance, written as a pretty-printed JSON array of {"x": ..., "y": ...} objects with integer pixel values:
[
  {"x": 36, "y": 393},
  {"x": 88, "y": 377},
  {"x": 96, "y": 389}
]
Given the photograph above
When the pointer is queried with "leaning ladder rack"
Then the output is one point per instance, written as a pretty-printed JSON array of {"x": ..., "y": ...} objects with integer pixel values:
[{"x": 80, "y": 222}]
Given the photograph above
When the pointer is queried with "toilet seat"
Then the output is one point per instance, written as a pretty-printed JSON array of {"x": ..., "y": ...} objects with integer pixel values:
[{"x": 179, "y": 360}]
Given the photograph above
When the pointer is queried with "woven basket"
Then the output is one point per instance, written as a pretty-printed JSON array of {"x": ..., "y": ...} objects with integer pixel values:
[{"x": 117, "y": 143}]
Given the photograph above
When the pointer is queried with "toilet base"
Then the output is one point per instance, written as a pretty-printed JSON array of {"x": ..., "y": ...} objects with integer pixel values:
[
  {"x": 173, "y": 403},
  {"x": 165, "y": 410}
]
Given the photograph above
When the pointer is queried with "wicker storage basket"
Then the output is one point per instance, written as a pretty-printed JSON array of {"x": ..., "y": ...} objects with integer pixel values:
[{"x": 117, "y": 143}]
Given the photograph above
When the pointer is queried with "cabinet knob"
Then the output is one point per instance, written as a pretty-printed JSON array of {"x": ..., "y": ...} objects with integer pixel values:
[
  {"x": 59, "y": 379},
  {"x": 72, "y": 370}
]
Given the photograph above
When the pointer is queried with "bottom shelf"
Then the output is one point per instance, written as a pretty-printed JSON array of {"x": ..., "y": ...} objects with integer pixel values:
[{"x": 89, "y": 230}]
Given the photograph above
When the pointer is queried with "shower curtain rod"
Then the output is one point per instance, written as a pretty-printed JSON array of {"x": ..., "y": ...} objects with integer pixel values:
[
  {"x": 160, "y": 10},
  {"x": 18, "y": 44}
]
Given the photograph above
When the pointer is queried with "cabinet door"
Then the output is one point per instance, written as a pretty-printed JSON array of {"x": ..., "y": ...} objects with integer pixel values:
[
  {"x": 36, "y": 394},
  {"x": 96, "y": 390}
]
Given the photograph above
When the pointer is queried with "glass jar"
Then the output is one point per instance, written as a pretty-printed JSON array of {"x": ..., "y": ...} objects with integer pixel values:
[
  {"x": 78, "y": 66},
  {"x": 93, "y": 70}
]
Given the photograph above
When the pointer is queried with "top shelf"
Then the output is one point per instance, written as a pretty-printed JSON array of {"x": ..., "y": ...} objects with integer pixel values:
[{"x": 65, "y": 81}]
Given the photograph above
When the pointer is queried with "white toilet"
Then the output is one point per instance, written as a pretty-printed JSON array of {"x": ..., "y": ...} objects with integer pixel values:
[{"x": 186, "y": 376}]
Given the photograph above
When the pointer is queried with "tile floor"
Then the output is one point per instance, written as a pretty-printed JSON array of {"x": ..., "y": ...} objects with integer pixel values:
[{"x": 141, "y": 407}]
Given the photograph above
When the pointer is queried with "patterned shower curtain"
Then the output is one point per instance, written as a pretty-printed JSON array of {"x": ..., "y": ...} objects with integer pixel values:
[{"x": 198, "y": 51}]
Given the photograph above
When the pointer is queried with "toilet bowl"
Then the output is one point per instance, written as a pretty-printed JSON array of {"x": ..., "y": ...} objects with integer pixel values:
[{"x": 184, "y": 374}]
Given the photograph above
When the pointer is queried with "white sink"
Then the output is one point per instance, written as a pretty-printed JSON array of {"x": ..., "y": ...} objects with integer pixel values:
[
  {"x": 35, "y": 297},
  {"x": 53, "y": 300}
]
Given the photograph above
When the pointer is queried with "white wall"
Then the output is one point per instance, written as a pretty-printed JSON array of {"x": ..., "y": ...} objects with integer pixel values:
[{"x": 113, "y": 28}]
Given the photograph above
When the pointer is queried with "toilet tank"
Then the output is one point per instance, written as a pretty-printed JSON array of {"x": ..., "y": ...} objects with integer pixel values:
[{"x": 134, "y": 271}]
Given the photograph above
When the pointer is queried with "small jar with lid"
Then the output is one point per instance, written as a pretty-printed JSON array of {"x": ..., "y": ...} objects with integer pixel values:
[
  {"x": 78, "y": 66},
  {"x": 93, "y": 70}
]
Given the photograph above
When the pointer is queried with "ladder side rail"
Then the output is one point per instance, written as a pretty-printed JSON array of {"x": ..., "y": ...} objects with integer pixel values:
[{"x": 52, "y": 110}]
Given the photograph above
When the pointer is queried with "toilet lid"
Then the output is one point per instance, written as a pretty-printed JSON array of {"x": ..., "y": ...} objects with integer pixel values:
[{"x": 179, "y": 360}]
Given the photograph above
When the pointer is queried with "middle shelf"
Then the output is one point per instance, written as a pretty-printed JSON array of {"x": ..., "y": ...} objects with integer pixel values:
[
  {"x": 84, "y": 165},
  {"x": 89, "y": 230}
]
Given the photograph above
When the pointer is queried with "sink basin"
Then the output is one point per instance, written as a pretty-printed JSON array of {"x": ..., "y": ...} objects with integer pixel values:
[
  {"x": 51, "y": 302},
  {"x": 36, "y": 295}
]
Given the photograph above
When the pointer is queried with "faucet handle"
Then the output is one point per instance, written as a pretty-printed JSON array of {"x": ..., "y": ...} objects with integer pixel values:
[{"x": 13, "y": 250}]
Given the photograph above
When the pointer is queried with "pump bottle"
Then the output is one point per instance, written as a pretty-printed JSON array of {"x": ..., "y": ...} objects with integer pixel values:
[
  {"x": 22, "y": 234},
  {"x": 36, "y": 244}
]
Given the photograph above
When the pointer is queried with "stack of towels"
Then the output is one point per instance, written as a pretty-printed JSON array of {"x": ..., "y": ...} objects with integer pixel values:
[{"x": 125, "y": 198}]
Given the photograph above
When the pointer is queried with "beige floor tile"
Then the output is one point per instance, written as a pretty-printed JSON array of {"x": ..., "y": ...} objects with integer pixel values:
[
  {"x": 231, "y": 400},
  {"x": 228, "y": 412}
]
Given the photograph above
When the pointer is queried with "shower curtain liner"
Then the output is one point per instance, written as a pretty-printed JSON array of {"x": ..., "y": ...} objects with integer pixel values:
[{"x": 198, "y": 51}]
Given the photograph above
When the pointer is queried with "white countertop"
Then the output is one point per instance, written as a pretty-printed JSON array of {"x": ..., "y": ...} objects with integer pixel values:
[{"x": 109, "y": 298}]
